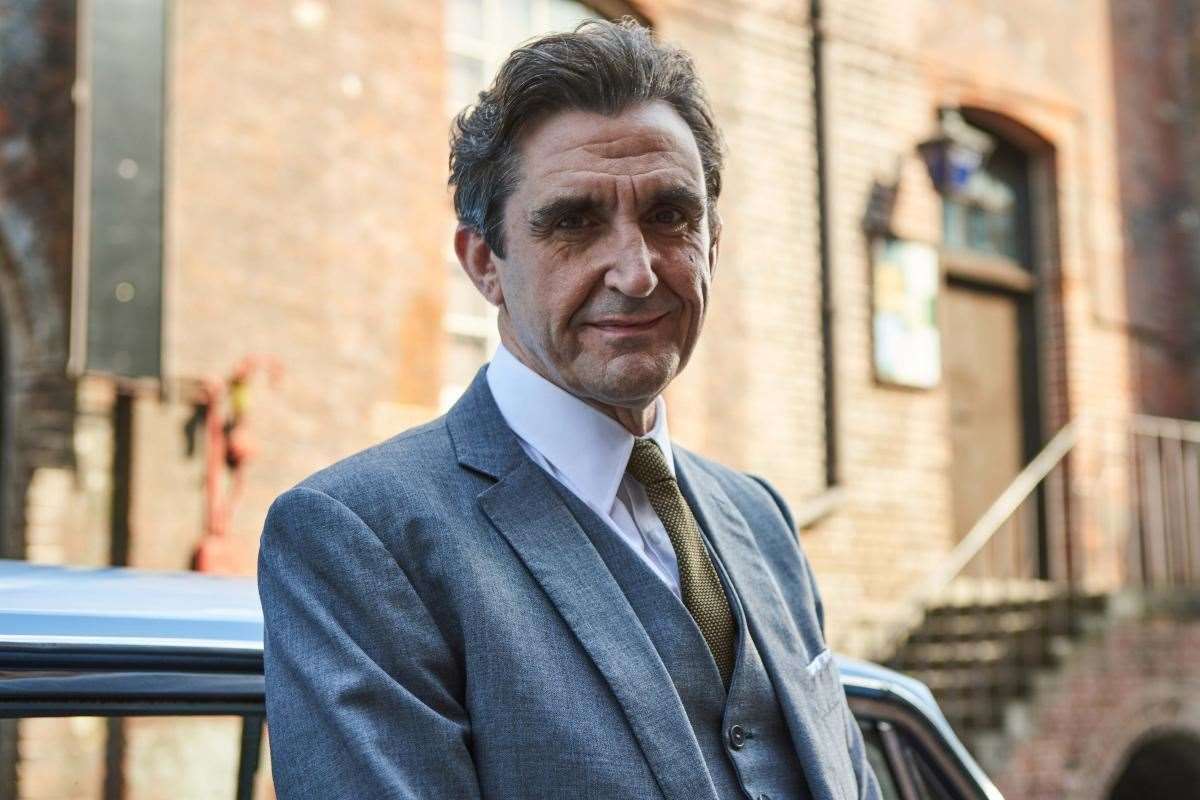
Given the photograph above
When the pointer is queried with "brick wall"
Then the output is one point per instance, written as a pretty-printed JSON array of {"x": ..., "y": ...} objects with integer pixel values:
[
  {"x": 1120, "y": 690},
  {"x": 301, "y": 224},
  {"x": 1155, "y": 54},
  {"x": 307, "y": 218}
]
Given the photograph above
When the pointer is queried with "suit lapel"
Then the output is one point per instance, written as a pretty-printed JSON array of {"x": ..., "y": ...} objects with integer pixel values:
[
  {"x": 773, "y": 628},
  {"x": 537, "y": 524}
]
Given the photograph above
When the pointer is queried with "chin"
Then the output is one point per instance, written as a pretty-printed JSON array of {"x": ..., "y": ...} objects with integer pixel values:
[{"x": 635, "y": 379}]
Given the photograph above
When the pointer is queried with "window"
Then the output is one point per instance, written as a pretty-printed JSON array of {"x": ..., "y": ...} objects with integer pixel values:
[
  {"x": 86, "y": 757},
  {"x": 910, "y": 758},
  {"x": 479, "y": 36},
  {"x": 991, "y": 216},
  {"x": 879, "y": 762}
]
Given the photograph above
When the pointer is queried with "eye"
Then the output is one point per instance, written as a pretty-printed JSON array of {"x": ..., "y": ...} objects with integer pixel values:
[
  {"x": 668, "y": 216},
  {"x": 571, "y": 222}
]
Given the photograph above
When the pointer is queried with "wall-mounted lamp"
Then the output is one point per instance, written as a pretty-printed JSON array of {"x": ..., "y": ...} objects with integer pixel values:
[{"x": 955, "y": 153}]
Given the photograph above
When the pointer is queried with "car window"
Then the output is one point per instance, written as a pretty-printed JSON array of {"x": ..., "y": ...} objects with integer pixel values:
[
  {"x": 139, "y": 757},
  {"x": 928, "y": 783},
  {"x": 879, "y": 761}
]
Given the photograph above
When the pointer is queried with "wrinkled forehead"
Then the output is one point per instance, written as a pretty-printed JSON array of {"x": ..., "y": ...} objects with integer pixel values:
[{"x": 647, "y": 144}]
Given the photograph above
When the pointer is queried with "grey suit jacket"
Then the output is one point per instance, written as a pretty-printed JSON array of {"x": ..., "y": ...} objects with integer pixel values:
[{"x": 438, "y": 625}]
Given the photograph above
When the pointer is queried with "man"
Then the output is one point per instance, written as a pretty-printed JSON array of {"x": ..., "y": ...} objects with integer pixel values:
[{"x": 539, "y": 595}]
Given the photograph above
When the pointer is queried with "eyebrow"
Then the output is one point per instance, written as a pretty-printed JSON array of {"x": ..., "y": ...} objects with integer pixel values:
[
  {"x": 544, "y": 216},
  {"x": 683, "y": 196}
]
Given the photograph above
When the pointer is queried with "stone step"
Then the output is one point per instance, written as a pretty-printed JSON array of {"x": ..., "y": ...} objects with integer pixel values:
[
  {"x": 996, "y": 625},
  {"x": 982, "y": 659},
  {"x": 1032, "y": 651}
]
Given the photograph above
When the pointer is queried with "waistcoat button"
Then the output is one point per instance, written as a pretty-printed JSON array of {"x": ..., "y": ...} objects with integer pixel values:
[{"x": 737, "y": 737}]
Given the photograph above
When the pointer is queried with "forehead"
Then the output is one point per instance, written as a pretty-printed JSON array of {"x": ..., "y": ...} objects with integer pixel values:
[{"x": 647, "y": 142}]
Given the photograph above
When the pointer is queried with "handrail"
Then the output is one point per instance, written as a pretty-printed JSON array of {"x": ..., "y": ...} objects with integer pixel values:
[
  {"x": 1006, "y": 504},
  {"x": 1166, "y": 427},
  {"x": 1163, "y": 512},
  {"x": 1109, "y": 504}
]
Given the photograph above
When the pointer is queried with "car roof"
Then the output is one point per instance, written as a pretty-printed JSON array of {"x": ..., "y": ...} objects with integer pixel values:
[
  {"x": 52, "y": 610},
  {"x": 48, "y": 605},
  {"x": 114, "y": 606}
]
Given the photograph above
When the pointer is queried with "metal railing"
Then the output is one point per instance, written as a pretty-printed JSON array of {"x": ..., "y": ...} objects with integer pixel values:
[
  {"x": 1067, "y": 520},
  {"x": 1163, "y": 542},
  {"x": 1106, "y": 505}
]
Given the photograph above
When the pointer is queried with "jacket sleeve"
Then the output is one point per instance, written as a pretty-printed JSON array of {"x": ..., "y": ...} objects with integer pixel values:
[
  {"x": 363, "y": 693},
  {"x": 868, "y": 784}
]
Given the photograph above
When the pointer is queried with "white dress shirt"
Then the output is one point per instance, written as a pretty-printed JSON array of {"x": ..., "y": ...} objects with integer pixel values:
[{"x": 587, "y": 452}]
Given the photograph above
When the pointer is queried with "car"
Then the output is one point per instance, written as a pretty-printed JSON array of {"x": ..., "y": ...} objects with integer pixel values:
[{"x": 128, "y": 678}]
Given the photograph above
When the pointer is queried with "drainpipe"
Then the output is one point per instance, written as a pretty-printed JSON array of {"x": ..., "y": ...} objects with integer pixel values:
[{"x": 825, "y": 245}]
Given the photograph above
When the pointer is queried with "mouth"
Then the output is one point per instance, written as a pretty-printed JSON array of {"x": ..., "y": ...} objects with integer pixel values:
[{"x": 625, "y": 326}]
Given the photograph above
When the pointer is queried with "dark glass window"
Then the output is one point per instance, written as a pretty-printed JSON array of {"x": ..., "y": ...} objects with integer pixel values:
[
  {"x": 991, "y": 215},
  {"x": 182, "y": 757},
  {"x": 929, "y": 784},
  {"x": 878, "y": 761}
]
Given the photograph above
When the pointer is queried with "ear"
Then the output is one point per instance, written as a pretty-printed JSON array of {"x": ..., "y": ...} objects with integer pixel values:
[
  {"x": 714, "y": 247},
  {"x": 479, "y": 262}
]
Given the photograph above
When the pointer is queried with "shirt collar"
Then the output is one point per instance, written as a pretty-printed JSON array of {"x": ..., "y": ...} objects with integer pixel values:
[{"x": 589, "y": 448}]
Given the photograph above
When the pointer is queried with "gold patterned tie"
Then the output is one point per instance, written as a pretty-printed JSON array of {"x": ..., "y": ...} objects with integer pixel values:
[{"x": 703, "y": 594}]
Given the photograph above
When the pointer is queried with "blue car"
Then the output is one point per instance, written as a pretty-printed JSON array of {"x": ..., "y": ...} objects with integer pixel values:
[{"x": 120, "y": 679}]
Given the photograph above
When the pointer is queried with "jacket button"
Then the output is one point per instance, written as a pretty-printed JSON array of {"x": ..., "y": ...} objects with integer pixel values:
[{"x": 737, "y": 737}]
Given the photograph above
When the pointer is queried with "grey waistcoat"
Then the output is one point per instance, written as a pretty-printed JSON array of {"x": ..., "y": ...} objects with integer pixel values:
[{"x": 765, "y": 766}]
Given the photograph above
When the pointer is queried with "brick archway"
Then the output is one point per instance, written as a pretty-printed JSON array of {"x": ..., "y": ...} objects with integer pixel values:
[
  {"x": 1122, "y": 689},
  {"x": 1165, "y": 764},
  {"x": 1154, "y": 722}
]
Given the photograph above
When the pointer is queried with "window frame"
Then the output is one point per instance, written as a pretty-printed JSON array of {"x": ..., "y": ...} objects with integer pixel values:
[
  {"x": 900, "y": 727},
  {"x": 123, "y": 681}
]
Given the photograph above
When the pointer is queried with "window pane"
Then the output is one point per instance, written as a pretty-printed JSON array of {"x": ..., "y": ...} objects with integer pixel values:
[
  {"x": 463, "y": 297},
  {"x": 991, "y": 215},
  {"x": 929, "y": 784},
  {"x": 954, "y": 223},
  {"x": 466, "y": 81},
  {"x": 516, "y": 23},
  {"x": 566, "y": 14},
  {"x": 465, "y": 18},
  {"x": 879, "y": 763},
  {"x": 60, "y": 757},
  {"x": 464, "y": 356},
  {"x": 160, "y": 758}
]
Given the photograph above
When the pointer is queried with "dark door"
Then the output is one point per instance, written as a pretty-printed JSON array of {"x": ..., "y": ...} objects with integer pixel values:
[
  {"x": 990, "y": 355},
  {"x": 983, "y": 377}
]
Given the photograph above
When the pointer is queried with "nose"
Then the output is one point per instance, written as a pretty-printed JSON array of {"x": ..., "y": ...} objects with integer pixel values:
[{"x": 630, "y": 267}]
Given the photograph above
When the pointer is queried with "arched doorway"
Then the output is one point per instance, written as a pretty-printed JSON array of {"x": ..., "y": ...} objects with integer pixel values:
[
  {"x": 992, "y": 299},
  {"x": 1164, "y": 765}
]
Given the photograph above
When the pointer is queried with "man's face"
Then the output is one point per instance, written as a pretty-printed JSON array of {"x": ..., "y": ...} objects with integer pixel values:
[{"x": 608, "y": 253}]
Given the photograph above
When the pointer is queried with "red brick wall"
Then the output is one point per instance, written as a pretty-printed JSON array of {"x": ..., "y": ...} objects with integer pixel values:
[
  {"x": 1155, "y": 55},
  {"x": 1117, "y": 691},
  {"x": 308, "y": 218}
]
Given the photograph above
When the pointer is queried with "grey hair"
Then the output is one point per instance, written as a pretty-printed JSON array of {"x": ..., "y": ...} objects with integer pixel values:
[{"x": 603, "y": 67}]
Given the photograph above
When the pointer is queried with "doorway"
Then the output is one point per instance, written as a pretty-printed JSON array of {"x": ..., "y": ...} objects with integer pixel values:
[{"x": 990, "y": 351}]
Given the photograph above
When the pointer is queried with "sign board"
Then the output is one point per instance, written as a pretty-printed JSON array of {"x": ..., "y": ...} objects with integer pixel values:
[{"x": 907, "y": 344}]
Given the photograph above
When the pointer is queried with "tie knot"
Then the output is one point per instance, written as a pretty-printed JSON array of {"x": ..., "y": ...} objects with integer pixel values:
[{"x": 647, "y": 464}]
